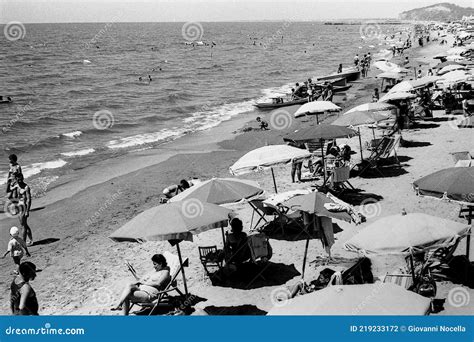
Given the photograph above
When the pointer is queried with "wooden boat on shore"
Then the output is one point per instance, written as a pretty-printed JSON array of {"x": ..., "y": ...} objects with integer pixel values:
[
  {"x": 278, "y": 102},
  {"x": 350, "y": 75}
]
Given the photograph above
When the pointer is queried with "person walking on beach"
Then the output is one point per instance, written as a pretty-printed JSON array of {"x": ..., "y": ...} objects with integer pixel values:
[
  {"x": 23, "y": 301},
  {"x": 339, "y": 69},
  {"x": 16, "y": 247},
  {"x": 13, "y": 172},
  {"x": 296, "y": 170},
  {"x": 24, "y": 205}
]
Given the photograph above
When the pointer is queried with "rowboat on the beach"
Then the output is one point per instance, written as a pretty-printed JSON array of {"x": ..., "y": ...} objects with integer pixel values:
[
  {"x": 279, "y": 101},
  {"x": 351, "y": 74}
]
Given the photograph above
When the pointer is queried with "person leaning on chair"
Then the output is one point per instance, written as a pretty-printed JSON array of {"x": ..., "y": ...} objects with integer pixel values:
[{"x": 147, "y": 288}]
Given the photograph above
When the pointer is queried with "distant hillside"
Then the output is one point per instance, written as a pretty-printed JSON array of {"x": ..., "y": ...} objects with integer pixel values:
[{"x": 439, "y": 12}]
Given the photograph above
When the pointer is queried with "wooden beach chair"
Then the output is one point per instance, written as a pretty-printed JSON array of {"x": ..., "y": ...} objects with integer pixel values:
[
  {"x": 163, "y": 296},
  {"x": 209, "y": 258}
]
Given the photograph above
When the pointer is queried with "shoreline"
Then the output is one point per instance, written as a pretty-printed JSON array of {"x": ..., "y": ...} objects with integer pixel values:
[{"x": 75, "y": 251}]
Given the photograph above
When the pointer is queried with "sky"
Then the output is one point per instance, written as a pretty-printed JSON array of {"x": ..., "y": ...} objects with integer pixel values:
[{"x": 65, "y": 11}]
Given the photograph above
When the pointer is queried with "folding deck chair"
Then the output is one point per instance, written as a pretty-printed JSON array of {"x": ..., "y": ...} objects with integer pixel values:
[
  {"x": 163, "y": 296},
  {"x": 386, "y": 149},
  {"x": 261, "y": 211},
  {"x": 463, "y": 155},
  {"x": 340, "y": 177}
]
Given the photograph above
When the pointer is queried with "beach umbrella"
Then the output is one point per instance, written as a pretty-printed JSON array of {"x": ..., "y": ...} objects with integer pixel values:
[
  {"x": 320, "y": 132},
  {"x": 458, "y": 50},
  {"x": 372, "y": 107},
  {"x": 454, "y": 77},
  {"x": 401, "y": 87},
  {"x": 397, "y": 96},
  {"x": 266, "y": 157},
  {"x": 406, "y": 234},
  {"x": 385, "y": 66},
  {"x": 442, "y": 65},
  {"x": 390, "y": 75},
  {"x": 449, "y": 68},
  {"x": 315, "y": 203},
  {"x": 423, "y": 81},
  {"x": 220, "y": 191},
  {"x": 357, "y": 118},
  {"x": 366, "y": 299},
  {"x": 316, "y": 107},
  {"x": 454, "y": 183},
  {"x": 173, "y": 222},
  {"x": 455, "y": 58}
]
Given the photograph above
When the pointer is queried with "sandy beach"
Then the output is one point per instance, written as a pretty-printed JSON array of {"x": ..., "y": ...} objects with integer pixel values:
[{"x": 84, "y": 271}]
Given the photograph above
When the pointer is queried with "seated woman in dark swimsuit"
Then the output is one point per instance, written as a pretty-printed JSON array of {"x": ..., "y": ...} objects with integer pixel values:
[
  {"x": 237, "y": 250},
  {"x": 23, "y": 301}
]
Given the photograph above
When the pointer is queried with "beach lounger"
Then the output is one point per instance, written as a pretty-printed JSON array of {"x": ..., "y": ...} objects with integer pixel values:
[
  {"x": 209, "y": 257},
  {"x": 317, "y": 148},
  {"x": 163, "y": 297}
]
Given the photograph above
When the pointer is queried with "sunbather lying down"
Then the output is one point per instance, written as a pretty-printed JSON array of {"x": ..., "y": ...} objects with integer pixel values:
[{"x": 147, "y": 288}]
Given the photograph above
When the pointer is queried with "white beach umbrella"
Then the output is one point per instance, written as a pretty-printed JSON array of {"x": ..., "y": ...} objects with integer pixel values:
[
  {"x": 390, "y": 75},
  {"x": 267, "y": 156},
  {"x": 455, "y": 58},
  {"x": 455, "y": 76},
  {"x": 385, "y": 66},
  {"x": 397, "y": 96},
  {"x": 401, "y": 87},
  {"x": 456, "y": 50},
  {"x": 372, "y": 107},
  {"x": 449, "y": 68},
  {"x": 365, "y": 299},
  {"x": 316, "y": 107}
]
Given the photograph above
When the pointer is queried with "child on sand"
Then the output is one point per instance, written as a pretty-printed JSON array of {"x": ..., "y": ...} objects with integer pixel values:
[{"x": 16, "y": 247}]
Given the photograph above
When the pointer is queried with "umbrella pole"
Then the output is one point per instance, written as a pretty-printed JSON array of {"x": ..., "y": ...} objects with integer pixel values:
[
  {"x": 223, "y": 236},
  {"x": 360, "y": 144},
  {"x": 304, "y": 258},
  {"x": 317, "y": 119},
  {"x": 373, "y": 132},
  {"x": 182, "y": 270},
  {"x": 468, "y": 238},
  {"x": 324, "y": 162},
  {"x": 274, "y": 181},
  {"x": 412, "y": 268}
]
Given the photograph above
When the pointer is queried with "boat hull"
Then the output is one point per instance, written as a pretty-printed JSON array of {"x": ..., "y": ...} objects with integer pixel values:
[{"x": 350, "y": 76}]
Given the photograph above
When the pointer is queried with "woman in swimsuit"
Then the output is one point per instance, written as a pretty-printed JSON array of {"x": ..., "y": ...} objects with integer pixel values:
[
  {"x": 147, "y": 288},
  {"x": 23, "y": 299},
  {"x": 24, "y": 205}
]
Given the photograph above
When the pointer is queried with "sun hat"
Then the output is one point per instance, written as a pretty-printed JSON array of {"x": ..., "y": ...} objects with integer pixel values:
[{"x": 14, "y": 231}]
